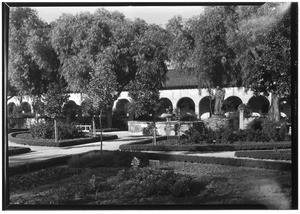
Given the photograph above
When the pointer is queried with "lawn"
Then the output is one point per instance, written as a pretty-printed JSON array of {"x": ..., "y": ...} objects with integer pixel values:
[{"x": 168, "y": 183}]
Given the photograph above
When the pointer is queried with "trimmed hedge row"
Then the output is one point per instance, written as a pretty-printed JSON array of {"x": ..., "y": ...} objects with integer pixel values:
[
  {"x": 29, "y": 167},
  {"x": 17, "y": 130},
  {"x": 220, "y": 147},
  {"x": 274, "y": 155},
  {"x": 17, "y": 150},
  {"x": 275, "y": 165},
  {"x": 62, "y": 143},
  {"x": 147, "y": 141},
  {"x": 265, "y": 164}
]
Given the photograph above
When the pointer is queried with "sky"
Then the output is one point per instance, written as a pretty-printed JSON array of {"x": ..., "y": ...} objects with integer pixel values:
[{"x": 151, "y": 14}]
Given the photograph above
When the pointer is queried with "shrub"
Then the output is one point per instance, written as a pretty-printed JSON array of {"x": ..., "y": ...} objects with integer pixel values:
[
  {"x": 274, "y": 129},
  {"x": 255, "y": 124},
  {"x": 148, "y": 182},
  {"x": 46, "y": 131},
  {"x": 198, "y": 134},
  {"x": 148, "y": 131}
]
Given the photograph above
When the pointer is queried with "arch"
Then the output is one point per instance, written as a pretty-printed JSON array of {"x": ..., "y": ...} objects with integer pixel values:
[
  {"x": 232, "y": 103},
  {"x": 204, "y": 107},
  {"x": 25, "y": 107},
  {"x": 285, "y": 107},
  {"x": 164, "y": 103},
  {"x": 187, "y": 108},
  {"x": 259, "y": 104},
  {"x": 121, "y": 107}
]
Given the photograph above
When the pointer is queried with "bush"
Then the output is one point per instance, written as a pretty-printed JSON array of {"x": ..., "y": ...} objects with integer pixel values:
[
  {"x": 255, "y": 124},
  {"x": 148, "y": 131},
  {"x": 145, "y": 182},
  {"x": 46, "y": 131},
  {"x": 274, "y": 130}
]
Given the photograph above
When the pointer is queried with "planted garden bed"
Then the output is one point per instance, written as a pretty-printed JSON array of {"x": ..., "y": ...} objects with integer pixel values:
[
  {"x": 170, "y": 183},
  {"x": 274, "y": 155},
  {"x": 26, "y": 139}
]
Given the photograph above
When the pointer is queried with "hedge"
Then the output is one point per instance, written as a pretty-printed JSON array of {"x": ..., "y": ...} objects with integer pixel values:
[
  {"x": 265, "y": 164},
  {"x": 274, "y": 155},
  {"x": 12, "y": 150},
  {"x": 29, "y": 167},
  {"x": 62, "y": 143},
  {"x": 275, "y": 165},
  {"x": 204, "y": 148}
]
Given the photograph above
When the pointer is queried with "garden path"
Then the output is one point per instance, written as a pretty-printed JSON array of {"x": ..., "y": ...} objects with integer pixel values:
[{"x": 39, "y": 153}]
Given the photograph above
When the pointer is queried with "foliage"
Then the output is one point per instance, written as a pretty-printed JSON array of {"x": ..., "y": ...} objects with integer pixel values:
[
  {"x": 145, "y": 182},
  {"x": 148, "y": 131},
  {"x": 275, "y": 130},
  {"x": 200, "y": 43},
  {"x": 71, "y": 111},
  {"x": 33, "y": 64},
  {"x": 54, "y": 100},
  {"x": 257, "y": 130},
  {"x": 46, "y": 131},
  {"x": 30, "y": 180}
]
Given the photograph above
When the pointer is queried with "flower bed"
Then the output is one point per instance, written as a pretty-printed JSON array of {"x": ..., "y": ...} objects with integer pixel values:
[
  {"x": 25, "y": 139},
  {"x": 274, "y": 155},
  {"x": 209, "y": 147},
  {"x": 13, "y": 150}
]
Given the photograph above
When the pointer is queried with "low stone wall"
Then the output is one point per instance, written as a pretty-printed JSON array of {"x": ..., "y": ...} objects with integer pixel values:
[
  {"x": 215, "y": 122},
  {"x": 163, "y": 128}
]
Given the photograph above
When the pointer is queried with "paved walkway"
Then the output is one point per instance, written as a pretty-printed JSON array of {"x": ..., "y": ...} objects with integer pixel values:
[{"x": 39, "y": 153}]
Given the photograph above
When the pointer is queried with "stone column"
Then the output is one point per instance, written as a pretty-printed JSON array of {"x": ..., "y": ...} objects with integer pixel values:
[
  {"x": 241, "y": 109},
  {"x": 241, "y": 119}
]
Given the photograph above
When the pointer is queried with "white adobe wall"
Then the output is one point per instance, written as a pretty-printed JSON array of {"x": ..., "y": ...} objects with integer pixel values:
[{"x": 174, "y": 95}]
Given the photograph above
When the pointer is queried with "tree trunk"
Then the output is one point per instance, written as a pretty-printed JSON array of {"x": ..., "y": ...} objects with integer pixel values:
[
  {"x": 94, "y": 127},
  {"x": 274, "y": 112},
  {"x": 154, "y": 130},
  {"x": 100, "y": 121},
  {"x": 55, "y": 131},
  {"x": 109, "y": 117}
]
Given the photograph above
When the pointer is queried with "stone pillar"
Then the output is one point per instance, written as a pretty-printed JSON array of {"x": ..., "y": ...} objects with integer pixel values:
[
  {"x": 197, "y": 110},
  {"x": 241, "y": 119},
  {"x": 241, "y": 110}
]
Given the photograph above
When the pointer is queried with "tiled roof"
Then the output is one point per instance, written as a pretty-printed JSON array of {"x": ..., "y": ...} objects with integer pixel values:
[{"x": 181, "y": 79}]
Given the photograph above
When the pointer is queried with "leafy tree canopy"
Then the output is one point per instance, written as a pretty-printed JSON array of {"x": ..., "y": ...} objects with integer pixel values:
[{"x": 32, "y": 63}]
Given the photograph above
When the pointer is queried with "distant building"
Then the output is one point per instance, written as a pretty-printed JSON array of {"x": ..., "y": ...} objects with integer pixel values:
[{"x": 181, "y": 91}]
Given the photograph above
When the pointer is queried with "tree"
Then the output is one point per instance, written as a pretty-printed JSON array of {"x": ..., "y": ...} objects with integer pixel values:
[
  {"x": 151, "y": 62},
  {"x": 33, "y": 64},
  {"x": 101, "y": 91},
  {"x": 145, "y": 100},
  {"x": 54, "y": 100},
  {"x": 262, "y": 42},
  {"x": 86, "y": 40},
  {"x": 200, "y": 43}
]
